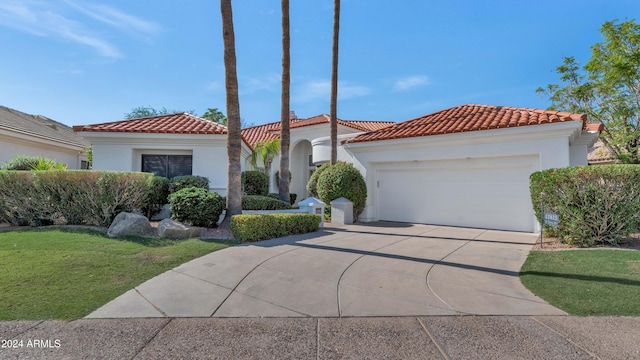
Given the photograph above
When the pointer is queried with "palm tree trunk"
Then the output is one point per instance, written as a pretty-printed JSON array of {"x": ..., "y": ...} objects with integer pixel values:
[
  {"x": 334, "y": 82},
  {"x": 234, "y": 140},
  {"x": 285, "y": 115}
]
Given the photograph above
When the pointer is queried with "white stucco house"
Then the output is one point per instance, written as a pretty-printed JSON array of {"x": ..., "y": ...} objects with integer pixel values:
[
  {"x": 166, "y": 145},
  {"x": 464, "y": 166},
  {"x": 37, "y": 135}
]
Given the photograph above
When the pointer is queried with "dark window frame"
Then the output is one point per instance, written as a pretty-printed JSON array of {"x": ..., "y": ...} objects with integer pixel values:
[{"x": 166, "y": 165}]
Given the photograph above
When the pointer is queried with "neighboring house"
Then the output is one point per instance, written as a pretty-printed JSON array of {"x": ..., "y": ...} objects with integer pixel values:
[
  {"x": 36, "y": 135},
  {"x": 465, "y": 166},
  {"x": 599, "y": 154},
  {"x": 166, "y": 145}
]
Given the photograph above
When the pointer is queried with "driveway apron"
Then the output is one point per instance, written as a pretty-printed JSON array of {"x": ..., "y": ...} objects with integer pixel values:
[{"x": 373, "y": 269}]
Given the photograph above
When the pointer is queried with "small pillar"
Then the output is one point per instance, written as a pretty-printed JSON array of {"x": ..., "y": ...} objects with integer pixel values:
[
  {"x": 313, "y": 206},
  {"x": 341, "y": 211}
]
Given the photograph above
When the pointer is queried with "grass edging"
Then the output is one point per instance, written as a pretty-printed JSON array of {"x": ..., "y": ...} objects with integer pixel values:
[
  {"x": 595, "y": 282},
  {"x": 66, "y": 274}
]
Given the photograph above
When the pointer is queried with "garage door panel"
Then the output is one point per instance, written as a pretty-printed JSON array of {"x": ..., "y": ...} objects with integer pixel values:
[{"x": 487, "y": 193}]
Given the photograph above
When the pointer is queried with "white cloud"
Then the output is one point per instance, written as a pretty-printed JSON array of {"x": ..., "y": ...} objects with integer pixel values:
[
  {"x": 116, "y": 18},
  {"x": 321, "y": 90},
  {"x": 411, "y": 82},
  {"x": 268, "y": 82},
  {"x": 52, "y": 19},
  {"x": 215, "y": 86}
]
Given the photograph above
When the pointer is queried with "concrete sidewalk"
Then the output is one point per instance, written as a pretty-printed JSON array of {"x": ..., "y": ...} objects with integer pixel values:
[
  {"x": 444, "y": 337},
  {"x": 374, "y": 269}
]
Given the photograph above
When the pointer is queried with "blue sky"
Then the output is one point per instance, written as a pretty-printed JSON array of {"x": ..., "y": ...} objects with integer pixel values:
[{"x": 90, "y": 61}]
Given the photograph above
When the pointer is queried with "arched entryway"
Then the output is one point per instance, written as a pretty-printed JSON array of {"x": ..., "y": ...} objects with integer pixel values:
[{"x": 301, "y": 166}]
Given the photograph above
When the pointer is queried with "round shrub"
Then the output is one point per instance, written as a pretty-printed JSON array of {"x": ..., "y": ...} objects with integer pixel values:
[
  {"x": 255, "y": 183},
  {"x": 257, "y": 202},
  {"x": 157, "y": 195},
  {"x": 312, "y": 185},
  {"x": 196, "y": 206},
  {"x": 343, "y": 180},
  {"x": 180, "y": 182}
]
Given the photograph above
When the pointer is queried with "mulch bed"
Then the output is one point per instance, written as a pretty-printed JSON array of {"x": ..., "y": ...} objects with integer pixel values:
[{"x": 549, "y": 243}]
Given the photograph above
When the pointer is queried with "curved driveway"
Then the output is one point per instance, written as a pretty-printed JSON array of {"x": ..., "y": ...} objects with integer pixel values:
[{"x": 375, "y": 269}]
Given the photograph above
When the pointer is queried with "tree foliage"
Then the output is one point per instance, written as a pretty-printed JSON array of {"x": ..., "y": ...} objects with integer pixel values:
[
  {"x": 145, "y": 111},
  {"x": 606, "y": 88},
  {"x": 216, "y": 115},
  {"x": 265, "y": 151}
]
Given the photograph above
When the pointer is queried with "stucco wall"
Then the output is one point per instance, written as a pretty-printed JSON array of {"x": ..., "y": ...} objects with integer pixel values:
[
  {"x": 549, "y": 143},
  {"x": 209, "y": 154},
  {"x": 11, "y": 146}
]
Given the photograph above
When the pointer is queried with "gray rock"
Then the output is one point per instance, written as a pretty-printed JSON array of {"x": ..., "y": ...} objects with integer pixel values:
[
  {"x": 165, "y": 213},
  {"x": 171, "y": 229},
  {"x": 129, "y": 224}
]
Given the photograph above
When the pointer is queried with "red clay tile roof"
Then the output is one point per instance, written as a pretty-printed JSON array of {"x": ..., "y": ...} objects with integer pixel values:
[
  {"x": 270, "y": 131},
  {"x": 465, "y": 118},
  {"x": 179, "y": 123},
  {"x": 595, "y": 127}
]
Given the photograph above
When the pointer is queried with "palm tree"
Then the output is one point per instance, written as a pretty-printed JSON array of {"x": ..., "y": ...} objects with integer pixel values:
[
  {"x": 285, "y": 115},
  {"x": 334, "y": 83},
  {"x": 234, "y": 140},
  {"x": 265, "y": 151}
]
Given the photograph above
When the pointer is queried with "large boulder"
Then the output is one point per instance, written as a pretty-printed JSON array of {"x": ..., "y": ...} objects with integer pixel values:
[
  {"x": 164, "y": 213},
  {"x": 130, "y": 224},
  {"x": 171, "y": 229}
]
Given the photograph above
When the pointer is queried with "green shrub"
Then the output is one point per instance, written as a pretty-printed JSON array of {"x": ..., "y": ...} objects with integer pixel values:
[
  {"x": 255, "y": 183},
  {"x": 262, "y": 227},
  {"x": 343, "y": 180},
  {"x": 312, "y": 185},
  {"x": 26, "y": 163},
  {"x": 596, "y": 204},
  {"x": 256, "y": 202},
  {"x": 157, "y": 195},
  {"x": 74, "y": 197},
  {"x": 292, "y": 197},
  {"x": 185, "y": 181},
  {"x": 196, "y": 206}
]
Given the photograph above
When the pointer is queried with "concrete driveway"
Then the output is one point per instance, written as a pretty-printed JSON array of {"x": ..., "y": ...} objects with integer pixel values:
[{"x": 375, "y": 269}]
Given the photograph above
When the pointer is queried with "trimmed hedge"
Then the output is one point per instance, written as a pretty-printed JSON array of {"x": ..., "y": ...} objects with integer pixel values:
[
  {"x": 596, "y": 204},
  {"x": 312, "y": 184},
  {"x": 72, "y": 197},
  {"x": 255, "y": 202},
  {"x": 186, "y": 181},
  {"x": 263, "y": 227},
  {"x": 196, "y": 206},
  {"x": 157, "y": 195},
  {"x": 255, "y": 183},
  {"x": 292, "y": 197},
  {"x": 343, "y": 180}
]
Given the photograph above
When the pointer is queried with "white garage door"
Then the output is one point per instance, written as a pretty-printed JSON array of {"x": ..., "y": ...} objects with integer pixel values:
[{"x": 490, "y": 193}]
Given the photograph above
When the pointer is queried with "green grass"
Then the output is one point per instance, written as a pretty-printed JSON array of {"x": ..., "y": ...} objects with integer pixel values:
[
  {"x": 586, "y": 282},
  {"x": 61, "y": 274}
]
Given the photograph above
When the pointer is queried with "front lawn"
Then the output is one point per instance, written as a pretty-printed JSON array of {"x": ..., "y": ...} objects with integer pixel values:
[
  {"x": 64, "y": 274},
  {"x": 586, "y": 282}
]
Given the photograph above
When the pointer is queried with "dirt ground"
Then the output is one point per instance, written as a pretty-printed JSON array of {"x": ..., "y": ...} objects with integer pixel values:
[{"x": 550, "y": 243}]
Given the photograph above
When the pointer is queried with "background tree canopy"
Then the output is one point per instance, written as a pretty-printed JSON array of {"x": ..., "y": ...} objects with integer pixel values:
[
  {"x": 606, "y": 88},
  {"x": 144, "y": 111},
  {"x": 212, "y": 114}
]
